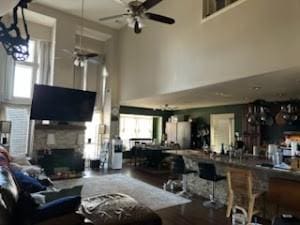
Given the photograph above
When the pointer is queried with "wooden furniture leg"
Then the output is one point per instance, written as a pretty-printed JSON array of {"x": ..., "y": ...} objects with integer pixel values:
[{"x": 229, "y": 205}]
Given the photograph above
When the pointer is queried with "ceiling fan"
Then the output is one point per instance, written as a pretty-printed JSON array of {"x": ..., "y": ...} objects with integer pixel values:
[
  {"x": 137, "y": 11},
  {"x": 80, "y": 56}
]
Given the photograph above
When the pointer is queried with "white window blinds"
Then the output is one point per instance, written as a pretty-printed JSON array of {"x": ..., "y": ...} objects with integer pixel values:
[
  {"x": 135, "y": 126},
  {"x": 19, "y": 133}
]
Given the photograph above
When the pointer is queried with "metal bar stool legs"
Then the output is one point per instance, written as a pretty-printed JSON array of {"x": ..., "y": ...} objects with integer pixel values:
[{"x": 207, "y": 171}]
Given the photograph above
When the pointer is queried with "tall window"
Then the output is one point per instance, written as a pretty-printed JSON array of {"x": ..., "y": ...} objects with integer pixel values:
[
  {"x": 25, "y": 75},
  {"x": 133, "y": 126},
  {"x": 92, "y": 143},
  {"x": 21, "y": 87}
]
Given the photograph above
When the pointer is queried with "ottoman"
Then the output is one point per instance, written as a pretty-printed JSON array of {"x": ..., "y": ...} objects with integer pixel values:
[{"x": 117, "y": 209}]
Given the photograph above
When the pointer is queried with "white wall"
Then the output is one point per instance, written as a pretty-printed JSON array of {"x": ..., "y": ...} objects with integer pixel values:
[{"x": 256, "y": 37}]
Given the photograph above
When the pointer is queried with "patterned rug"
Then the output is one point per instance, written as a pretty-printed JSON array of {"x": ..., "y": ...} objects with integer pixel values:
[{"x": 150, "y": 196}]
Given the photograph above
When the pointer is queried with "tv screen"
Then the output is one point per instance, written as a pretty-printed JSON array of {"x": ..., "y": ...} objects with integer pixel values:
[{"x": 62, "y": 104}]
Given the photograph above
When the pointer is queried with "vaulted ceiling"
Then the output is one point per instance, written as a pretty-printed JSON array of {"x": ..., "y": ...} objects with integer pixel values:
[{"x": 94, "y": 9}]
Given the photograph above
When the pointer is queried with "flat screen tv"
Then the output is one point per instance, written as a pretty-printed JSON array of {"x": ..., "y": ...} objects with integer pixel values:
[{"x": 62, "y": 104}]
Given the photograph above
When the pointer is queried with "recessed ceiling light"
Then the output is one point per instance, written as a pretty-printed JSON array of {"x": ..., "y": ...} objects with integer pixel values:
[
  {"x": 257, "y": 88},
  {"x": 280, "y": 94}
]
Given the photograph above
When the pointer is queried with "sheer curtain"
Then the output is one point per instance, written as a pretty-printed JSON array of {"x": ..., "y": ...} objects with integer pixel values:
[
  {"x": 44, "y": 49},
  {"x": 43, "y": 77},
  {"x": 6, "y": 76}
]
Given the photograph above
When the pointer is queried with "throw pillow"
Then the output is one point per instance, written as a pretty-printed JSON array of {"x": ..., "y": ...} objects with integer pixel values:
[
  {"x": 53, "y": 195},
  {"x": 21, "y": 160},
  {"x": 27, "y": 183},
  {"x": 33, "y": 171}
]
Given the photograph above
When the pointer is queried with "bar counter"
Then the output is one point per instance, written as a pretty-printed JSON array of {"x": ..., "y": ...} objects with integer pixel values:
[{"x": 203, "y": 188}]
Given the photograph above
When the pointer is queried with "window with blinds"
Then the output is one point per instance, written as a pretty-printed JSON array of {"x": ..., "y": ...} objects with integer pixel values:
[
  {"x": 92, "y": 142},
  {"x": 19, "y": 116},
  {"x": 222, "y": 130},
  {"x": 135, "y": 126}
]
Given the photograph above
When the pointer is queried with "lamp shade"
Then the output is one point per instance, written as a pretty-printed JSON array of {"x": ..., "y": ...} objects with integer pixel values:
[
  {"x": 80, "y": 139},
  {"x": 7, "y": 5},
  {"x": 51, "y": 139}
]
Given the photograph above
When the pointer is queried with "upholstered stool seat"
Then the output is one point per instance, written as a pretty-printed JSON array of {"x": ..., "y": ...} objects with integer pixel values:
[{"x": 207, "y": 171}]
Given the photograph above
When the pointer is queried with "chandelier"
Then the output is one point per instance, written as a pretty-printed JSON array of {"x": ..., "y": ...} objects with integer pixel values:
[{"x": 10, "y": 35}]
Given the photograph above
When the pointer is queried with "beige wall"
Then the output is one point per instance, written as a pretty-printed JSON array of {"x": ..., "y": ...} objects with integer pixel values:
[
  {"x": 256, "y": 37},
  {"x": 65, "y": 38}
]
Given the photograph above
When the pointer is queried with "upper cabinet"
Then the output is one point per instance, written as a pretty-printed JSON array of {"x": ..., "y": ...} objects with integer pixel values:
[{"x": 212, "y": 6}]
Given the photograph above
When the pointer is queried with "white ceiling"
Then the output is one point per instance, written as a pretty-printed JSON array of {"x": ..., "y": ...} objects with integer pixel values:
[
  {"x": 275, "y": 86},
  {"x": 94, "y": 9}
]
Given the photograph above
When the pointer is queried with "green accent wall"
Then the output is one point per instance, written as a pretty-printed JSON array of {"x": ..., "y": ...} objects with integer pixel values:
[{"x": 205, "y": 113}]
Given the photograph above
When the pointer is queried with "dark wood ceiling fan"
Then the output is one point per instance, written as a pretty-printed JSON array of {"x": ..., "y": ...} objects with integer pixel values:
[{"x": 137, "y": 11}]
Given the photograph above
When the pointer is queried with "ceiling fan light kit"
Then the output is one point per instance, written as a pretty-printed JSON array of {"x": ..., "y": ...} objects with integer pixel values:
[{"x": 137, "y": 12}]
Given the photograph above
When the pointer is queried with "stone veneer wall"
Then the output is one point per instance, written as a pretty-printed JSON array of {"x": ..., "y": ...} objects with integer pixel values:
[{"x": 65, "y": 137}]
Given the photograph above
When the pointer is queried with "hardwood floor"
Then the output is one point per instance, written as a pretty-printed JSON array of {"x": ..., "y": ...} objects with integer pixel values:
[{"x": 188, "y": 214}]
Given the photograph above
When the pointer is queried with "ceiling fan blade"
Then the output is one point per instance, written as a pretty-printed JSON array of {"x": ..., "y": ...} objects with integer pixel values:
[
  {"x": 93, "y": 61},
  {"x": 148, "y": 4},
  {"x": 91, "y": 55},
  {"x": 160, "y": 18},
  {"x": 113, "y": 17}
]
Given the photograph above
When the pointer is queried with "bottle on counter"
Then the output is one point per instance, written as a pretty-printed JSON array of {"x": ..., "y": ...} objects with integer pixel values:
[{"x": 222, "y": 149}]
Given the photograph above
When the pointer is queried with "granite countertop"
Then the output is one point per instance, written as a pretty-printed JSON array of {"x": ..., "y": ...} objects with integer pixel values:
[{"x": 247, "y": 162}]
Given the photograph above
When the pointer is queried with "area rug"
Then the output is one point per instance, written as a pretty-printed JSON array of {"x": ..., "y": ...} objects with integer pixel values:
[{"x": 150, "y": 196}]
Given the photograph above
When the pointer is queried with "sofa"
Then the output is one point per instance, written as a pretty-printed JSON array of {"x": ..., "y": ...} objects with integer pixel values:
[
  {"x": 118, "y": 209},
  {"x": 16, "y": 207}
]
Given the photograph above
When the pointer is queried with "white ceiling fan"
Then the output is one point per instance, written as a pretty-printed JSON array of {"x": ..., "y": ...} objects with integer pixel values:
[
  {"x": 137, "y": 11},
  {"x": 81, "y": 56}
]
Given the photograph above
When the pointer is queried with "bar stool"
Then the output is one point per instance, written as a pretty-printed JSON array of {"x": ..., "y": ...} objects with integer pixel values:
[
  {"x": 178, "y": 171},
  {"x": 207, "y": 171},
  {"x": 240, "y": 182}
]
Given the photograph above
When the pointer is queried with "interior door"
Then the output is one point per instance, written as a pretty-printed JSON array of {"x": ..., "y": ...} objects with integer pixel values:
[{"x": 222, "y": 130}]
